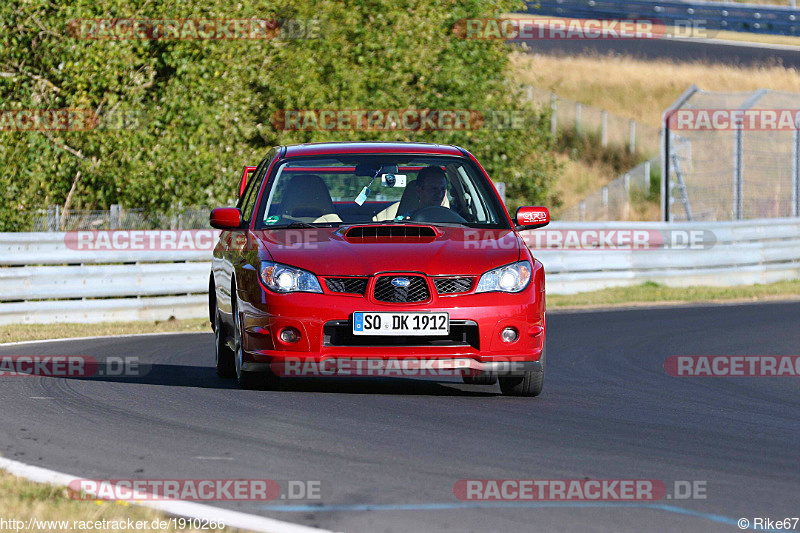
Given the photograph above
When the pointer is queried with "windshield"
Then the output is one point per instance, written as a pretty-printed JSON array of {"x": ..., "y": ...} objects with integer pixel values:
[{"x": 392, "y": 189}]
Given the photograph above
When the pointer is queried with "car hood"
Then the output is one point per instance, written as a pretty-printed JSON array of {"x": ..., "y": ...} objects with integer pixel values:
[{"x": 451, "y": 251}]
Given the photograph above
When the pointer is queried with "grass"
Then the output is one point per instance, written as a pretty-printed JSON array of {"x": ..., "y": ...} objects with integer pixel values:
[
  {"x": 22, "y": 500},
  {"x": 586, "y": 166},
  {"x": 30, "y": 332},
  {"x": 633, "y": 88},
  {"x": 640, "y": 89},
  {"x": 653, "y": 293}
]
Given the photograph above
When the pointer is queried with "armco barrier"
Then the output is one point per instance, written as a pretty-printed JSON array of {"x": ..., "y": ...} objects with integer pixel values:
[
  {"x": 773, "y": 19},
  {"x": 43, "y": 281}
]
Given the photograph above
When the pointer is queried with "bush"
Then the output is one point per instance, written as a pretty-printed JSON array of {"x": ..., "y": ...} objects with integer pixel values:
[{"x": 195, "y": 111}]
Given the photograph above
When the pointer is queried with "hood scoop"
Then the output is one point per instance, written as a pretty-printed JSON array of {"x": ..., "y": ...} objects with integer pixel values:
[{"x": 390, "y": 233}]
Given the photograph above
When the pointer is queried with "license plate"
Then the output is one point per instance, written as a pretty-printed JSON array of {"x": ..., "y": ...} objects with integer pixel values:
[{"x": 368, "y": 323}]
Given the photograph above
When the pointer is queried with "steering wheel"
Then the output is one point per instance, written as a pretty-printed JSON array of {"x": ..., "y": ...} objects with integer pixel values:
[{"x": 436, "y": 213}]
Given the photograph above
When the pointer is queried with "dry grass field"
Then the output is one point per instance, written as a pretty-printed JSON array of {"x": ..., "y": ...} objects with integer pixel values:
[{"x": 641, "y": 89}]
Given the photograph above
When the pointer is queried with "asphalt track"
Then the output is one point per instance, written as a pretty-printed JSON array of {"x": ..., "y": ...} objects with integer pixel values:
[
  {"x": 390, "y": 451},
  {"x": 679, "y": 50}
]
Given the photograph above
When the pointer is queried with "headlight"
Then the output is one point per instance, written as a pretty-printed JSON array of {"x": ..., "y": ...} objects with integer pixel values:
[
  {"x": 283, "y": 278},
  {"x": 510, "y": 278}
]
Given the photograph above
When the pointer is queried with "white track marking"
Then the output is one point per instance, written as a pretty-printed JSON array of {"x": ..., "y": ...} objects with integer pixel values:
[
  {"x": 128, "y": 335},
  {"x": 199, "y": 511}
]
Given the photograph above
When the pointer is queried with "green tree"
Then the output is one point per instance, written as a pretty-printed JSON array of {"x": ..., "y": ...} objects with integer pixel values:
[
  {"x": 390, "y": 54},
  {"x": 183, "y": 116}
]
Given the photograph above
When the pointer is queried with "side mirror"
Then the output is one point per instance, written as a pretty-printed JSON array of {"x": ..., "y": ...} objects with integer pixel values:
[
  {"x": 245, "y": 175},
  {"x": 532, "y": 217},
  {"x": 226, "y": 218}
]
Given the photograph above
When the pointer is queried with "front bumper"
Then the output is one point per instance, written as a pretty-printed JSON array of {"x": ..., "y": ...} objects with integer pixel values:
[
  {"x": 481, "y": 316},
  {"x": 332, "y": 366}
]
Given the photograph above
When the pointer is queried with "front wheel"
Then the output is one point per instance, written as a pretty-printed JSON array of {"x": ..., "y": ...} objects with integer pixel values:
[
  {"x": 223, "y": 354},
  {"x": 528, "y": 384},
  {"x": 248, "y": 380}
]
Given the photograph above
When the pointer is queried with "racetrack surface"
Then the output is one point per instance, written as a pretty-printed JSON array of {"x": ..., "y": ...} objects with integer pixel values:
[
  {"x": 679, "y": 50},
  {"x": 390, "y": 451}
]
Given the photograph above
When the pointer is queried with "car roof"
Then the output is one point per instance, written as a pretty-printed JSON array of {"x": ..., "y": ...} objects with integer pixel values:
[{"x": 332, "y": 148}]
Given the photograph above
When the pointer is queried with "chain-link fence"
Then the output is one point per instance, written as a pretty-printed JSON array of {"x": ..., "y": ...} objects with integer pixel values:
[
  {"x": 732, "y": 156},
  {"x": 625, "y": 198},
  {"x": 587, "y": 120},
  {"x": 55, "y": 219}
]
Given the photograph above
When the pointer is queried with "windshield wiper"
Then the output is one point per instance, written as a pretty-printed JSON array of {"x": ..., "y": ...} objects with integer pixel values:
[{"x": 296, "y": 225}]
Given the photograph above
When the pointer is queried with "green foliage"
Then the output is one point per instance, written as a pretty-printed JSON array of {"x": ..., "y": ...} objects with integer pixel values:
[
  {"x": 588, "y": 147},
  {"x": 195, "y": 111}
]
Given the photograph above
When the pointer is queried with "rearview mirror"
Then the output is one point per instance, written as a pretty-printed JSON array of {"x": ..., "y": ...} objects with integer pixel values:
[
  {"x": 226, "y": 218},
  {"x": 532, "y": 217}
]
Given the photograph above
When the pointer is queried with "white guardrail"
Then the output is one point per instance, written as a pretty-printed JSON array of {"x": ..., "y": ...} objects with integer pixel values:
[{"x": 42, "y": 280}]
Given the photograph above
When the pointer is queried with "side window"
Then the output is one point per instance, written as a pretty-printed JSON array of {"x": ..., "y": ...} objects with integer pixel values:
[{"x": 252, "y": 193}]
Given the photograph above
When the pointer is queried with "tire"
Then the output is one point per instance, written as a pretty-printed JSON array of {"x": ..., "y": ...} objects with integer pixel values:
[
  {"x": 223, "y": 354},
  {"x": 484, "y": 378},
  {"x": 529, "y": 384},
  {"x": 248, "y": 380}
]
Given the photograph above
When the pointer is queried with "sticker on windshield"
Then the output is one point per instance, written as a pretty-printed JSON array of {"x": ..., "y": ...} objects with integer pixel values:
[
  {"x": 393, "y": 180},
  {"x": 272, "y": 220}
]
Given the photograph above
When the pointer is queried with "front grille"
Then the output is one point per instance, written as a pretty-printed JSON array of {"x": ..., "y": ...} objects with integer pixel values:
[
  {"x": 347, "y": 285},
  {"x": 452, "y": 285},
  {"x": 416, "y": 291},
  {"x": 340, "y": 333}
]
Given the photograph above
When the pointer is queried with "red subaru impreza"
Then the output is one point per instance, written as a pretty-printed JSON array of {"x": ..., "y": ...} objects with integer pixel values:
[{"x": 373, "y": 258}]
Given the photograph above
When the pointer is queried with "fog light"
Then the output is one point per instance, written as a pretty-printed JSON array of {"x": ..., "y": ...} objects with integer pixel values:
[
  {"x": 290, "y": 335},
  {"x": 509, "y": 335}
]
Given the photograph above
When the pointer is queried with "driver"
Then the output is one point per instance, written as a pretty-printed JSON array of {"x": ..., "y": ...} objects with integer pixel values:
[{"x": 431, "y": 186}]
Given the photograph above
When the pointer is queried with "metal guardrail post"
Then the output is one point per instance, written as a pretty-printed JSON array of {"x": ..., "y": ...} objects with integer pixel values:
[
  {"x": 501, "y": 190},
  {"x": 578, "y": 117},
  {"x": 114, "y": 216},
  {"x": 632, "y": 144},
  {"x": 553, "y": 110},
  {"x": 737, "y": 171},
  {"x": 666, "y": 150},
  {"x": 647, "y": 177},
  {"x": 51, "y": 218},
  {"x": 738, "y": 199}
]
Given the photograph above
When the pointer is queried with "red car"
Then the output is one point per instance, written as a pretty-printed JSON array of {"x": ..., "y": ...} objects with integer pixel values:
[{"x": 368, "y": 258}]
